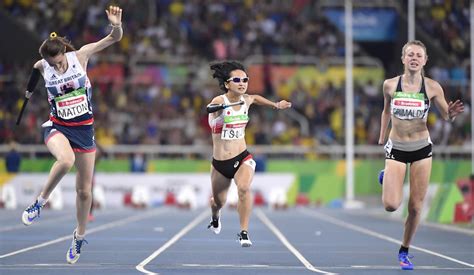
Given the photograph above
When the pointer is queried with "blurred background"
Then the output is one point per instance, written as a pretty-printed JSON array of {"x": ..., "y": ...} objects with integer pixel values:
[{"x": 150, "y": 89}]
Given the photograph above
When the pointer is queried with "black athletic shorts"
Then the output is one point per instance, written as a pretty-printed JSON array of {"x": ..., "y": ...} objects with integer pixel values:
[
  {"x": 409, "y": 157},
  {"x": 229, "y": 167}
]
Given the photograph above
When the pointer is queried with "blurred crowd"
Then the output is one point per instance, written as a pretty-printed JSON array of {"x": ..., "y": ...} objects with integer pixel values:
[
  {"x": 448, "y": 21},
  {"x": 131, "y": 110}
]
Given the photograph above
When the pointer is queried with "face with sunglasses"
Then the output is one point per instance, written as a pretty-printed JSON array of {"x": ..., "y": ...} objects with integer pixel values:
[{"x": 237, "y": 82}]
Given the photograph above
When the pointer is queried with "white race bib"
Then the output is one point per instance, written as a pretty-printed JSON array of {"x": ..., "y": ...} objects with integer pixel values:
[
  {"x": 73, "y": 104},
  {"x": 230, "y": 132},
  {"x": 408, "y": 105}
]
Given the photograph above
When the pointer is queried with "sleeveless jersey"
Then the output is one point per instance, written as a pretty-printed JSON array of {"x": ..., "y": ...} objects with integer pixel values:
[
  {"x": 408, "y": 106},
  {"x": 69, "y": 94},
  {"x": 231, "y": 123}
]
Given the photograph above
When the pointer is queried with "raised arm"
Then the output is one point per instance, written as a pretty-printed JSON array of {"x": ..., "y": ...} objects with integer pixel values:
[
  {"x": 260, "y": 100},
  {"x": 385, "y": 117},
  {"x": 114, "y": 15},
  {"x": 448, "y": 111}
]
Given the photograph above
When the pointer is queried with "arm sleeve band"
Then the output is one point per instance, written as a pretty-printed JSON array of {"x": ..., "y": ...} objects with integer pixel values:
[
  {"x": 34, "y": 77},
  {"x": 211, "y": 108}
]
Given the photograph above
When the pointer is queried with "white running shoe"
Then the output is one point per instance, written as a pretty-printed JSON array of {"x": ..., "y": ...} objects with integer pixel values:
[
  {"x": 31, "y": 213},
  {"x": 244, "y": 239},
  {"x": 215, "y": 224},
  {"x": 74, "y": 252}
]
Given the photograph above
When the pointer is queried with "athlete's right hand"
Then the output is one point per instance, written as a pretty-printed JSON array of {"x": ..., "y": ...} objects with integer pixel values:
[
  {"x": 28, "y": 94},
  {"x": 381, "y": 141}
]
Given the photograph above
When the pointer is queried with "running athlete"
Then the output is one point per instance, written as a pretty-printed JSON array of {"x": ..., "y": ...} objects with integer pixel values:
[
  {"x": 69, "y": 132},
  {"x": 406, "y": 103},
  {"x": 228, "y": 117}
]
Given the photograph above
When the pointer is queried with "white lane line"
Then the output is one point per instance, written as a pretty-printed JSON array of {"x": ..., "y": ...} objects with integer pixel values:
[
  {"x": 445, "y": 227},
  {"x": 228, "y": 265},
  {"x": 106, "y": 266},
  {"x": 288, "y": 245},
  {"x": 418, "y": 267},
  {"x": 449, "y": 228},
  {"x": 377, "y": 235},
  {"x": 46, "y": 221},
  {"x": 141, "y": 266},
  {"x": 90, "y": 231}
]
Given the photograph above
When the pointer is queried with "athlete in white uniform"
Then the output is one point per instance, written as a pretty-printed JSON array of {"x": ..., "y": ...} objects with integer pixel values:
[
  {"x": 406, "y": 103},
  {"x": 231, "y": 160},
  {"x": 69, "y": 132}
]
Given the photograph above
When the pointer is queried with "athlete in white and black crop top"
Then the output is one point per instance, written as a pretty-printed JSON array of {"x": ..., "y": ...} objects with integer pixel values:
[
  {"x": 406, "y": 103},
  {"x": 69, "y": 132}
]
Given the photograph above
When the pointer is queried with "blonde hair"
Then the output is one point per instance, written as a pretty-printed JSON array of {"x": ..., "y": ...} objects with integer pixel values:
[{"x": 417, "y": 43}]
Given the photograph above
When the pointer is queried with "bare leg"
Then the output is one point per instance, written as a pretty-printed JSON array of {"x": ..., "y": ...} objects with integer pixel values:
[
  {"x": 60, "y": 148},
  {"x": 243, "y": 179},
  {"x": 85, "y": 170},
  {"x": 220, "y": 186},
  {"x": 394, "y": 176},
  {"x": 420, "y": 172}
]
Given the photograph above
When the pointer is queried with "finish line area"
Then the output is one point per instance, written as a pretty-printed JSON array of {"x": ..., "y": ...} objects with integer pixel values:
[{"x": 168, "y": 240}]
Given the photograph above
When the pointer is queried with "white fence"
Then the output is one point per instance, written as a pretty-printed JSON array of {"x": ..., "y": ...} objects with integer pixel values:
[{"x": 271, "y": 151}]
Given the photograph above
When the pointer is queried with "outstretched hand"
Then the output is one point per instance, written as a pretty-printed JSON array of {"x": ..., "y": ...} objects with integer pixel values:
[
  {"x": 283, "y": 104},
  {"x": 455, "y": 108},
  {"x": 114, "y": 14}
]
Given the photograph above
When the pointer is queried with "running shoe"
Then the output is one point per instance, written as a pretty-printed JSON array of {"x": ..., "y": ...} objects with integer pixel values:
[
  {"x": 381, "y": 174},
  {"x": 243, "y": 238},
  {"x": 74, "y": 252},
  {"x": 215, "y": 225},
  {"x": 404, "y": 259},
  {"x": 31, "y": 213}
]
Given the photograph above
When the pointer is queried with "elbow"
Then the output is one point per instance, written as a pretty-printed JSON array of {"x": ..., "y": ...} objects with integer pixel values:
[{"x": 118, "y": 38}]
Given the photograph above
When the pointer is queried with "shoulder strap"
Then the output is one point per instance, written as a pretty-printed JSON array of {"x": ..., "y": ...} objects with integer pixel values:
[
  {"x": 399, "y": 85},
  {"x": 422, "y": 88},
  {"x": 226, "y": 101}
]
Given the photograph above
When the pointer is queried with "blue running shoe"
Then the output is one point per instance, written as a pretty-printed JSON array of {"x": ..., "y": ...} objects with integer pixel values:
[
  {"x": 404, "y": 259},
  {"x": 31, "y": 213},
  {"x": 381, "y": 174},
  {"x": 74, "y": 252}
]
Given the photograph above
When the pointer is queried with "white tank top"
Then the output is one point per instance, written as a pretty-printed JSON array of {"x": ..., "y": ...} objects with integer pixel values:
[
  {"x": 69, "y": 94},
  {"x": 231, "y": 123}
]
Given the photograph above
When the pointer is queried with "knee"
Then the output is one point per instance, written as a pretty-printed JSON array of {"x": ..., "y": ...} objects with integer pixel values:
[
  {"x": 84, "y": 194},
  {"x": 66, "y": 161},
  {"x": 391, "y": 205},
  {"x": 414, "y": 211},
  {"x": 244, "y": 190},
  {"x": 217, "y": 202},
  {"x": 391, "y": 208}
]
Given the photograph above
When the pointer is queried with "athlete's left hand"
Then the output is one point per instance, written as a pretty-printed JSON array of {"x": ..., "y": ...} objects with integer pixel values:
[
  {"x": 114, "y": 14},
  {"x": 455, "y": 108},
  {"x": 283, "y": 104}
]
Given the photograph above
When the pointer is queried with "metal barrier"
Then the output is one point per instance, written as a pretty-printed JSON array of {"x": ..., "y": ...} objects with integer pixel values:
[{"x": 271, "y": 151}]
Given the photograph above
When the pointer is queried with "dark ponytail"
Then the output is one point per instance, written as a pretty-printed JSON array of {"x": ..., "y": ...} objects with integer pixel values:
[
  {"x": 223, "y": 69},
  {"x": 55, "y": 45}
]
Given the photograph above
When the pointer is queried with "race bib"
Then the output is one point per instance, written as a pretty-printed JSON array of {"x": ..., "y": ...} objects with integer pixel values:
[
  {"x": 73, "y": 104},
  {"x": 408, "y": 105},
  {"x": 233, "y": 131}
]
